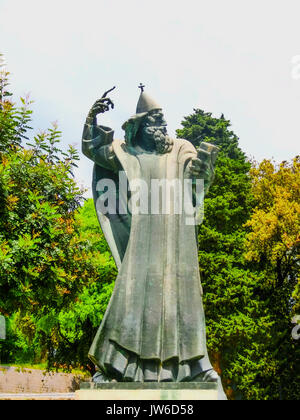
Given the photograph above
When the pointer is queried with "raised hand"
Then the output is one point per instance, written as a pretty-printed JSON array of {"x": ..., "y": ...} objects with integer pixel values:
[
  {"x": 101, "y": 105},
  {"x": 200, "y": 167}
]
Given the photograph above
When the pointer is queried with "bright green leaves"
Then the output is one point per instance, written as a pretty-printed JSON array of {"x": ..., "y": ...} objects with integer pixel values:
[{"x": 238, "y": 322}]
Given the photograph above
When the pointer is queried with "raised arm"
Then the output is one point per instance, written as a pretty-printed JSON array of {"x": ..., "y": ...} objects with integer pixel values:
[{"x": 97, "y": 139}]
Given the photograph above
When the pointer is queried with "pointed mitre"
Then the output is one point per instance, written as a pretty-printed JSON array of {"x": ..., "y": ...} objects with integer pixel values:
[{"x": 146, "y": 104}]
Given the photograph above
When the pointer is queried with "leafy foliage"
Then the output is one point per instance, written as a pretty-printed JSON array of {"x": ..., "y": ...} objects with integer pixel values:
[
  {"x": 57, "y": 273},
  {"x": 79, "y": 322},
  {"x": 273, "y": 243},
  {"x": 201, "y": 126},
  {"x": 47, "y": 265},
  {"x": 238, "y": 322},
  {"x": 275, "y": 223},
  {"x": 13, "y": 120}
]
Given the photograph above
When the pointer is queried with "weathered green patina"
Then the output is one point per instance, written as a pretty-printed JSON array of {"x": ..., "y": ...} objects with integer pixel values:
[{"x": 154, "y": 327}]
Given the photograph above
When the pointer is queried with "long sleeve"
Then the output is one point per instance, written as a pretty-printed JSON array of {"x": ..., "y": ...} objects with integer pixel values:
[{"x": 97, "y": 145}]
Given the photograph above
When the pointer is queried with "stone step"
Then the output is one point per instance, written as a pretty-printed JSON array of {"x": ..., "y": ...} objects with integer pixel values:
[{"x": 36, "y": 396}]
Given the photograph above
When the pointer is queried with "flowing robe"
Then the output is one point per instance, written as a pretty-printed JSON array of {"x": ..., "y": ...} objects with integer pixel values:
[{"x": 154, "y": 325}]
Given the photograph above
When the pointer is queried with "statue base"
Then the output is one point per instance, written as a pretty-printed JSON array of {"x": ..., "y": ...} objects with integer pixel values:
[{"x": 197, "y": 391}]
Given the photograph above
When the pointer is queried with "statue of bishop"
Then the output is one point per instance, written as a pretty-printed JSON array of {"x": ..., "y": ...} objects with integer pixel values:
[{"x": 154, "y": 326}]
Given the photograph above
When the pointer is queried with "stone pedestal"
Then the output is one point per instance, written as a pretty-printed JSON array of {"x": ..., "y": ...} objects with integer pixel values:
[{"x": 148, "y": 391}]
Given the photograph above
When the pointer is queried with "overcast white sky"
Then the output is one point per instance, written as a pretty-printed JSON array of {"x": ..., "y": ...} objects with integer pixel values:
[{"x": 228, "y": 56}]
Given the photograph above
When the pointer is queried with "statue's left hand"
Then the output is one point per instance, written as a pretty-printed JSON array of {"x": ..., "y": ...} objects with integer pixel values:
[
  {"x": 200, "y": 167},
  {"x": 102, "y": 105}
]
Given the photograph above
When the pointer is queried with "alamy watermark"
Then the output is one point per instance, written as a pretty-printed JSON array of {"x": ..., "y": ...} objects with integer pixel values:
[
  {"x": 295, "y": 72},
  {"x": 296, "y": 329},
  {"x": 156, "y": 197},
  {"x": 2, "y": 328}
]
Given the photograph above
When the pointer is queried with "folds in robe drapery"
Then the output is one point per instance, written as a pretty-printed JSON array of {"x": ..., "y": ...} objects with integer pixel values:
[{"x": 154, "y": 326}]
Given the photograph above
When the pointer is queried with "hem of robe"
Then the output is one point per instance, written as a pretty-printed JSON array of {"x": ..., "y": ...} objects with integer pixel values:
[{"x": 123, "y": 365}]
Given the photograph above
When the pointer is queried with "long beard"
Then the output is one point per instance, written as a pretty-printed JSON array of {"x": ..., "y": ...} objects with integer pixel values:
[{"x": 158, "y": 135}]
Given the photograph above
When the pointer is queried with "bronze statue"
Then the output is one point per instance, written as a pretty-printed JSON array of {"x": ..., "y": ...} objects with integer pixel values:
[{"x": 154, "y": 326}]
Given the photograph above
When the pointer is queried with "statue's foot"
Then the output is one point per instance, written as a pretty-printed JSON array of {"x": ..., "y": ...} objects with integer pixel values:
[
  {"x": 207, "y": 376},
  {"x": 100, "y": 378}
]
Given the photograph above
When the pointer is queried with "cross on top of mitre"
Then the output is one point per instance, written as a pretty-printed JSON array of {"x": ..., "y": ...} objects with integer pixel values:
[
  {"x": 141, "y": 86},
  {"x": 145, "y": 102}
]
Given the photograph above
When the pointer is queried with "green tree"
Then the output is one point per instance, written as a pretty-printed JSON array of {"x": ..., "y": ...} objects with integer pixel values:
[
  {"x": 45, "y": 262},
  {"x": 238, "y": 322},
  {"x": 273, "y": 244},
  {"x": 79, "y": 322}
]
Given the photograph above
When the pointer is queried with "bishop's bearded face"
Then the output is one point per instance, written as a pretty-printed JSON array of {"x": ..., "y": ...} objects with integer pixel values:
[{"x": 153, "y": 133}]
